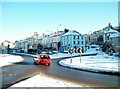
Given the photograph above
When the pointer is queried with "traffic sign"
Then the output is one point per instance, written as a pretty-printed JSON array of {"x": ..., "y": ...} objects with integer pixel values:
[
  {"x": 79, "y": 50},
  {"x": 75, "y": 50}
]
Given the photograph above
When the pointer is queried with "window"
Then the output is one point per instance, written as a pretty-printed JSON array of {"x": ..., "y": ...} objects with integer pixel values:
[
  {"x": 78, "y": 37},
  {"x": 45, "y": 56},
  {"x": 82, "y": 42},
  {"x": 38, "y": 56},
  {"x": 82, "y": 37},
  {"x": 74, "y": 42},
  {"x": 78, "y": 42},
  {"x": 67, "y": 37},
  {"x": 74, "y": 37}
]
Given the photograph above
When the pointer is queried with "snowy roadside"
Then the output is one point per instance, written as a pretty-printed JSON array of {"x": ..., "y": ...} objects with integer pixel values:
[
  {"x": 99, "y": 63},
  {"x": 7, "y": 59},
  {"x": 42, "y": 80}
]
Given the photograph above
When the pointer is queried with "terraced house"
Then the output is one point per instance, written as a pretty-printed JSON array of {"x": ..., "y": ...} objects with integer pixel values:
[{"x": 72, "y": 39}]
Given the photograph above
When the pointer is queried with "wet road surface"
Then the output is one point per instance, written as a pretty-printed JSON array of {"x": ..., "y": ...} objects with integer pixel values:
[{"x": 20, "y": 71}]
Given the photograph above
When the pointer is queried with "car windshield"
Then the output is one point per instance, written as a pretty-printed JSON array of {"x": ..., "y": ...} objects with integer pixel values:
[{"x": 45, "y": 56}]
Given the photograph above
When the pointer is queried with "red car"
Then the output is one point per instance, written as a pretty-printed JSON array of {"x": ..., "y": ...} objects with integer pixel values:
[{"x": 43, "y": 59}]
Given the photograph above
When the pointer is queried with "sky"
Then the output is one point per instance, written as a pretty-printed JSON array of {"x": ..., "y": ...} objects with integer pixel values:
[{"x": 22, "y": 19}]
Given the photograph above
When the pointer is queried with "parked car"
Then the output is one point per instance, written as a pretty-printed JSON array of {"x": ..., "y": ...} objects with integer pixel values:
[
  {"x": 43, "y": 52},
  {"x": 55, "y": 52},
  {"x": 50, "y": 52},
  {"x": 21, "y": 51},
  {"x": 43, "y": 59}
]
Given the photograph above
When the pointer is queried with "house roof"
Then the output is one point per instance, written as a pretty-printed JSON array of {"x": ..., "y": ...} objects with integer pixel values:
[
  {"x": 52, "y": 34},
  {"x": 112, "y": 31},
  {"x": 40, "y": 37},
  {"x": 7, "y": 41},
  {"x": 115, "y": 35},
  {"x": 72, "y": 32},
  {"x": 56, "y": 34}
]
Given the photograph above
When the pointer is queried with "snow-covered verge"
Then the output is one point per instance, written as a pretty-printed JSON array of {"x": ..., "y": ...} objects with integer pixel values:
[
  {"x": 90, "y": 51},
  {"x": 7, "y": 59},
  {"x": 99, "y": 63},
  {"x": 62, "y": 55},
  {"x": 32, "y": 55},
  {"x": 42, "y": 80}
]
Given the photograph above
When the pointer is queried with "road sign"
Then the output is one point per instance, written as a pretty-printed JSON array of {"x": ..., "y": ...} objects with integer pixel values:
[
  {"x": 70, "y": 50},
  {"x": 79, "y": 50},
  {"x": 75, "y": 50}
]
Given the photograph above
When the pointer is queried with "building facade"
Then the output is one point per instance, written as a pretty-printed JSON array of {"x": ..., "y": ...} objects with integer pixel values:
[
  {"x": 5, "y": 44},
  {"x": 72, "y": 39},
  {"x": 107, "y": 33}
]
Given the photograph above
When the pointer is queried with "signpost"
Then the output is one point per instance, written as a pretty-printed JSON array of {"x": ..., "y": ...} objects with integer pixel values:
[
  {"x": 80, "y": 54},
  {"x": 79, "y": 50},
  {"x": 70, "y": 51},
  {"x": 76, "y": 50}
]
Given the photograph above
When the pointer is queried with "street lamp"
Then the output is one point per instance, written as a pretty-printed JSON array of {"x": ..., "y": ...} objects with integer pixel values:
[
  {"x": 58, "y": 37},
  {"x": 58, "y": 26},
  {"x": 36, "y": 40}
]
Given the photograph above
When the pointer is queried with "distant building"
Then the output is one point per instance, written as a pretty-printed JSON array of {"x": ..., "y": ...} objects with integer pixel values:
[
  {"x": 112, "y": 35},
  {"x": 72, "y": 39},
  {"x": 107, "y": 34},
  {"x": 46, "y": 41},
  {"x": 27, "y": 43},
  {"x": 52, "y": 40},
  {"x": 40, "y": 39},
  {"x": 17, "y": 45},
  {"x": 5, "y": 44},
  {"x": 56, "y": 40},
  {"x": 21, "y": 45},
  {"x": 94, "y": 37},
  {"x": 115, "y": 38}
]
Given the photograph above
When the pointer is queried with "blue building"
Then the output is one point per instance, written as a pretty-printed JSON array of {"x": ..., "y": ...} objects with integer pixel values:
[{"x": 72, "y": 39}]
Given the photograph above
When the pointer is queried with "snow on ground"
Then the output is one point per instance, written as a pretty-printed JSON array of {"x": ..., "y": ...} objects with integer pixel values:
[
  {"x": 42, "y": 80},
  {"x": 7, "y": 59},
  {"x": 99, "y": 63},
  {"x": 59, "y": 55},
  {"x": 88, "y": 52}
]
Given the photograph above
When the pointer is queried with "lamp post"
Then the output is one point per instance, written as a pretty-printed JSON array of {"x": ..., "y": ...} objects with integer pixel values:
[
  {"x": 58, "y": 26},
  {"x": 36, "y": 40},
  {"x": 58, "y": 36}
]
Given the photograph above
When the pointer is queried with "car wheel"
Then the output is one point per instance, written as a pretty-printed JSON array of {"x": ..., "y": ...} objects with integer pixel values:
[
  {"x": 35, "y": 63},
  {"x": 49, "y": 64}
]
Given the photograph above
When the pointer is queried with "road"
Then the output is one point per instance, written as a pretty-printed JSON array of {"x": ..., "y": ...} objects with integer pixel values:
[{"x": 20, "y": 71}]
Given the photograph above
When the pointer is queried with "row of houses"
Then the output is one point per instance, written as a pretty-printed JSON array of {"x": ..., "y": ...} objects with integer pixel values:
[
  {"x": 108, "y": 34},
  {"x": 60, "y": 41},
  {"x": 63, "y": 40}
]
